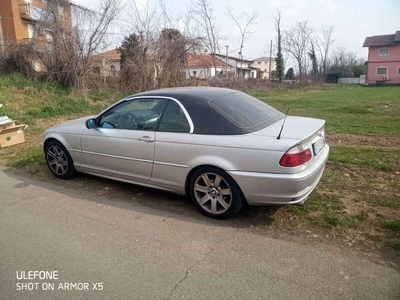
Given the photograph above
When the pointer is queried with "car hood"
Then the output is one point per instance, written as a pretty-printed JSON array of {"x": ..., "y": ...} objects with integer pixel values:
[
  {"x": 297, "y": 128},
  {"x": 73, "y": 126}
]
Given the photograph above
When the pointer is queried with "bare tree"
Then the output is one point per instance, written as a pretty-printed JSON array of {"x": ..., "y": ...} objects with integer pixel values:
[
  {"x": 244, "y": 23},
  {"x": 296, "y": 41},
  {"x": 346, "y": 63},
  {"x": 154, "y": 54},
  {"x": 323, "y": 42},
  {"x": 207, "y": 28},
  {"x": 68, "y": 57}
]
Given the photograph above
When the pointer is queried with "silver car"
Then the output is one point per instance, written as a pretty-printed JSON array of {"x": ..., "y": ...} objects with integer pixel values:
[{"x": 221, "y": 147}]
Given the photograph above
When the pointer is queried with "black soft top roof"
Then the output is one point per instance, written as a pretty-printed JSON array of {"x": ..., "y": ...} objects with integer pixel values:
[{"x": 206, "y": 119}]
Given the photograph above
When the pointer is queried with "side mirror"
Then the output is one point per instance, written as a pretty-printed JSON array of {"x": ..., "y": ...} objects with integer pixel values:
[{"x": 91, "y": 123}]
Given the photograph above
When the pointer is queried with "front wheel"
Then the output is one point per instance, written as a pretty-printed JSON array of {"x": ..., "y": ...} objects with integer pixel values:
[
  {"x": 215, "y": 193},
  {"x": 59, "y": 161}
]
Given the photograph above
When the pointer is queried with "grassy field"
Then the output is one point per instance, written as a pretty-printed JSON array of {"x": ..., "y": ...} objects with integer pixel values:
[
  {"x": 348, "y": 109},
  {"x": 359, "y": 195}
]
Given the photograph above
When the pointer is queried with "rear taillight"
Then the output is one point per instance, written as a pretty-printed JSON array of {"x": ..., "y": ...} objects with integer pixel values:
[{"x": 296, "y": 156}]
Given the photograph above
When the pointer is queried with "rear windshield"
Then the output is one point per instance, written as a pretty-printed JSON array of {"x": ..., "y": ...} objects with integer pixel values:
[{"x": 245, "y": 111}]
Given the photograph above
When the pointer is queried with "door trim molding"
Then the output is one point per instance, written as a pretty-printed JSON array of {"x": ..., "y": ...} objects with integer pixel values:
[{"x": 116, "y": 156}]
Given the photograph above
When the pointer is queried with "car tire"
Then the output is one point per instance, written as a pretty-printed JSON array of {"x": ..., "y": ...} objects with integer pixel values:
[
  {"x": 215, "y": 193},
  {"x": 59, "y": 160}
]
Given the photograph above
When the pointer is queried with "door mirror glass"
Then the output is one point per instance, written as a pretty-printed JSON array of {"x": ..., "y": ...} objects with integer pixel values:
[{"x": 91, "y": 123}]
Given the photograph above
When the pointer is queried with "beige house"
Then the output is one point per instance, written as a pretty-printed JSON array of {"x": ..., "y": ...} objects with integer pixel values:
[
  {"x": 107, "y": 63},
  {"x": 262, "y": 64}
]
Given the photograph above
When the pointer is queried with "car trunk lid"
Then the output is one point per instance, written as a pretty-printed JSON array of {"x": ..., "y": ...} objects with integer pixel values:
[
  {"x": 306, "y": 134},
  {"x": 296, "y": 128}
]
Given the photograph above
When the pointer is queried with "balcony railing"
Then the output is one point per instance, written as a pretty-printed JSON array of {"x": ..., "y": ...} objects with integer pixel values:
[{"x": 31, "y": 13}]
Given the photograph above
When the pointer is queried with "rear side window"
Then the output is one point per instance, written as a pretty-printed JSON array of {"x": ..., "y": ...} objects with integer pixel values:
[
  {"x": 174, "y": 119},
  {"x": 245, "y": 111}
]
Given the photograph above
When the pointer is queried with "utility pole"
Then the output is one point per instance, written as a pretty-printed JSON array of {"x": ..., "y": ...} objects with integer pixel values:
[
  {"x": 241, "y": 60},
  {"x": 226, "y": 61},
  {"x": 270, "y": 62}
]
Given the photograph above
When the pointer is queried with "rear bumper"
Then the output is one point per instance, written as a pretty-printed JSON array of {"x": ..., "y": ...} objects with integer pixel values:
[{"x": 268, "y": 188}]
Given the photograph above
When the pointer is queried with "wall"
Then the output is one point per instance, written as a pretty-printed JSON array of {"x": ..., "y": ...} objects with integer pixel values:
[
  {"x": 203, "y": 72},
  {"x": 350, "y": 80},
  {"x": 14, "y": 27},
  {"x": 105, "y": 66},
  {"x": 392, "y": 62},
  {"x": 264, "y": 67}
]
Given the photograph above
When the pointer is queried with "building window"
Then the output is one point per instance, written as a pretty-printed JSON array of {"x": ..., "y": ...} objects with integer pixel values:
[
  {"x": 194, "y": 73},
  {"x": 381, "y": 71},
  {"x": 36, "y": 65},
  {"x": 383, "y": 52},
  {"x": 60, "y": 11},
  {"x": 113, "y": 70},
  {"x": 96, "y": 70},
  {"x": 31, "y": 30},
  {"x": 49, "y": 38},
  {"x": 398, "y": 71},
  {"x": 259, "y": 62}
]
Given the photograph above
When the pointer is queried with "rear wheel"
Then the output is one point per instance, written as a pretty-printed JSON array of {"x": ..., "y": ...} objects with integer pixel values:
[
  {"x": 215, "y": 193},
  {"x": 59, "y": 161}
]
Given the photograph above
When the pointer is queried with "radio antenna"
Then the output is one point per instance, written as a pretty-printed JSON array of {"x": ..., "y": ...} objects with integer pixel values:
[{"x": 283, "y": 124}]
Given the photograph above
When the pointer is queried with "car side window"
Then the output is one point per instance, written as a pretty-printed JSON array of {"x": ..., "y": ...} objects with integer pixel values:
[
  {"x": 137, "y": 114},
  {"x": 174, "y": 119}
]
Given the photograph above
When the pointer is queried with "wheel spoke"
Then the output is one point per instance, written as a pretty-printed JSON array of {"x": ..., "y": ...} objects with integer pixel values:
[
  {"x": 57, "y": 168},
  {"x": 202, "y": 189},
  {"x": 225, "y": 192},
  {"x": 223, "y": 203},
  {"x": 51, "y": 154},
  {"x": 214, "y": 205},
  {"x": 217, "y": 181},
  {"x": 206, "y": 180},
  {"x": 204, "y": 199},
  {"x": 62, "y": 169},
  {"x": 56, "y": 151},
  {"x": 52, "y": 162}
]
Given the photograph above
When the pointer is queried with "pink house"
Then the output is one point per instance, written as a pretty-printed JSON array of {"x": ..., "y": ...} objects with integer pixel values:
[{"x": 383, "y": 64}]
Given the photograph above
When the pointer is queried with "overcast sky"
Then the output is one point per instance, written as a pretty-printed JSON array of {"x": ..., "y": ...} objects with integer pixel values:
[{"x": 353, "y": 20}]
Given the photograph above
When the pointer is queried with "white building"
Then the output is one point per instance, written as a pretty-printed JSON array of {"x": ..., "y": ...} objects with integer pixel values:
[
  {"x": 241, "y": 67},
  {"x": 204, "y": 65}
]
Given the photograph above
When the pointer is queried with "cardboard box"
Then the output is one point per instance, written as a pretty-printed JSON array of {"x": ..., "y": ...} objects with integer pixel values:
[{"x": 12, "y": 134}]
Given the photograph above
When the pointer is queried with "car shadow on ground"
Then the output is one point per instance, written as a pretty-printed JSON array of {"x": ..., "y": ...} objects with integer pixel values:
[{"x": 141, "y": 199}]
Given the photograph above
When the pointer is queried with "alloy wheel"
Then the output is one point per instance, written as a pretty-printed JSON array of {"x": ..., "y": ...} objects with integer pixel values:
[
  {"x": 57, "y": 160},
  {"x": 213, "y": 193}
]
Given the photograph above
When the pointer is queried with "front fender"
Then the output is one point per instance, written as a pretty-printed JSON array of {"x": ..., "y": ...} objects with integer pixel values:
[{"x": 72, "y": 142}]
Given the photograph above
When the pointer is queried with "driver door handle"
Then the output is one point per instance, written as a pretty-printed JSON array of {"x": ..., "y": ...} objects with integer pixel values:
[{"x": 146, "y": 139}]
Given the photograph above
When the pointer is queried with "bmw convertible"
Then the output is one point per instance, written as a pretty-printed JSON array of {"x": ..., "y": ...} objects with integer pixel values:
[{"x": 221, "y": 147}]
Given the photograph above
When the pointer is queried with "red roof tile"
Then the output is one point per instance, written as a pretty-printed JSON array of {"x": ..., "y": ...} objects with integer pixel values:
[
  {"x": 110, "y": 55},
  {"x": 203, "y": 60}
]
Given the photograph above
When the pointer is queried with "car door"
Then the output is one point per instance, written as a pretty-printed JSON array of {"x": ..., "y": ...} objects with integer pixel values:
[
  {"x": 122, "y": 144},
  {"x": 173, "y": 147}
]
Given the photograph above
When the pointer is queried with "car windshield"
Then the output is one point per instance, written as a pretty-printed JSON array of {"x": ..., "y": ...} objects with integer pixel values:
[{"x": 245, "y": 111}]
